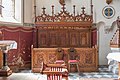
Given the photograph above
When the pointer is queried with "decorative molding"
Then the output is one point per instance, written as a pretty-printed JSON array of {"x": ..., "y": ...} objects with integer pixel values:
[
  {"x": 29, "y": 24},
  {"x": 64, "y": 16}
]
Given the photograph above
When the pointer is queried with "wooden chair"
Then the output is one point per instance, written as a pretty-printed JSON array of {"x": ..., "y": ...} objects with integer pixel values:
[{"x": 73, "y": 59}]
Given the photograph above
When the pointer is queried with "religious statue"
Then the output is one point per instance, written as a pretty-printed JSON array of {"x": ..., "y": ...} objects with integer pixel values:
[
  {"x": 108, "y": 1},
  {"x": 118, "y": 22},
  {"x": 62, "y": 2}
]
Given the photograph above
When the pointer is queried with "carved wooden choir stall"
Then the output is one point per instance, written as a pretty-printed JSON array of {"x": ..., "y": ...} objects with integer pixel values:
[{"x": 64, "y": 30}]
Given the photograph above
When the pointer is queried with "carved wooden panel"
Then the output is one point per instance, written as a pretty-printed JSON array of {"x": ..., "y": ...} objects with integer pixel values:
[
  {"x": 85, "y": 38},
  {"x": 74, "y": 38},
  {"x": 63, "y": 38},
  {"x": 50, "y": 38},
  {"x": 43, "y": 37},
  {"x": 88, "y": 60},
  {"x": 51, "y": 56},
  {"x": 37, "y": 60},
  {"x": 53, "y": 38}
]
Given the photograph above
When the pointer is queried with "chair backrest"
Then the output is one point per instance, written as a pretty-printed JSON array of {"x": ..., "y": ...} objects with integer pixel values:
[
  {"x": 60, "y": 54},
  {"x": 72, "y": 54}
]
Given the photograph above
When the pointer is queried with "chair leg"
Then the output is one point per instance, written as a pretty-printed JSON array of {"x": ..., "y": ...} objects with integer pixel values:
[
  {"x": 78, "y": 68},
  {"x": 68, "y": 67}
]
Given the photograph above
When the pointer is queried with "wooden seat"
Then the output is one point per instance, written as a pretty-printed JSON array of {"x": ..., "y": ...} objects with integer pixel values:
[{"x": 73, "y": 59}]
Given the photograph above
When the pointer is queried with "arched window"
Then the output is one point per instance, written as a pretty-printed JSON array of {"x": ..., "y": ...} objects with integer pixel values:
[{"x": 10, "y": 11}]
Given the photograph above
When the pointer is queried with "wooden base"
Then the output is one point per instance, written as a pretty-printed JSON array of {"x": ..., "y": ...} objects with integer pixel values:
[{"x": 5, "y": 73}]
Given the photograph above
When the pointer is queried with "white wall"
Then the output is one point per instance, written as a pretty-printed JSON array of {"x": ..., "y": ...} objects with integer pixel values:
[
  {"x": 102, "y": 22},
  {"x": 104, "y": 38},
  {"x": 28, "y": 11}
]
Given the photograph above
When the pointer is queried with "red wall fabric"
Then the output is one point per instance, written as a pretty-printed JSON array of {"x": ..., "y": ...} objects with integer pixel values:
[
  {"x": 24, "y": 38},
  {"x": 94, "y": 37}
]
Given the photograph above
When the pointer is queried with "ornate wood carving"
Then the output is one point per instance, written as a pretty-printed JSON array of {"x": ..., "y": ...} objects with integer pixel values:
[
  {"x": 64, "y": 29},
  {"x": 87, "y": 58},
  {"x": 62, "y": 2},
  {"x": 64, "y": 16},
  {"x": 64, "y": 38}
]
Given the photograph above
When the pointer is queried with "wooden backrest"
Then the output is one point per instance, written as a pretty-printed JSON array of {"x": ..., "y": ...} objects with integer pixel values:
[
  {"x": 72, "y": 54},
  {"x": 60, "y": 54}
]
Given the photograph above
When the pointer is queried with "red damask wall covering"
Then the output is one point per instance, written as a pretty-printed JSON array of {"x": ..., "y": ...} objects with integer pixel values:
[{"x": 20, "y": 57}]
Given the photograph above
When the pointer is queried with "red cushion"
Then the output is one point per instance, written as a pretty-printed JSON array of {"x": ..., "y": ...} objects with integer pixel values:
[
  {"x": 72, "y": 61},
  {"x": 59, "y": 61}
]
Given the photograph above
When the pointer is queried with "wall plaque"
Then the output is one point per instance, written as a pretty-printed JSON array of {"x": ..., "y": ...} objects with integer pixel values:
[{"x": 108, "y": 12}]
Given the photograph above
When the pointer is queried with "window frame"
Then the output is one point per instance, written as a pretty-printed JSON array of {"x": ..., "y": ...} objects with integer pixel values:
[{"x": 17, "y": 16}]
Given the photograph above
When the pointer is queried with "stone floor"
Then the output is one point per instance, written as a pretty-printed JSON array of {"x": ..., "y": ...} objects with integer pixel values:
[{"x": 102, "y": 74}]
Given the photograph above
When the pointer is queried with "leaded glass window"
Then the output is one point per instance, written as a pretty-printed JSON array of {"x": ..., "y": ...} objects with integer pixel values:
[
  {"x": 8, "y": 10},
  {"x": 11, "y": 11}
]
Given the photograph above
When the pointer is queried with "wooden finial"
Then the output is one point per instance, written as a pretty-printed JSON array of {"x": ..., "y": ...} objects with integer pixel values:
[
  {"x": 52, "y": 10},
  {"x": 83, "y": 10},
  {"x": 74, "y": 10},
  {"x": 91, "y": 8},
  {"x": 43, "y": 10},
  {"x": 63, "y": 7}
]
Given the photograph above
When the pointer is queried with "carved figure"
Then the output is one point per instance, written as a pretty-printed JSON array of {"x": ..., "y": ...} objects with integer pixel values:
[{"x": 62, "y": 2}]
